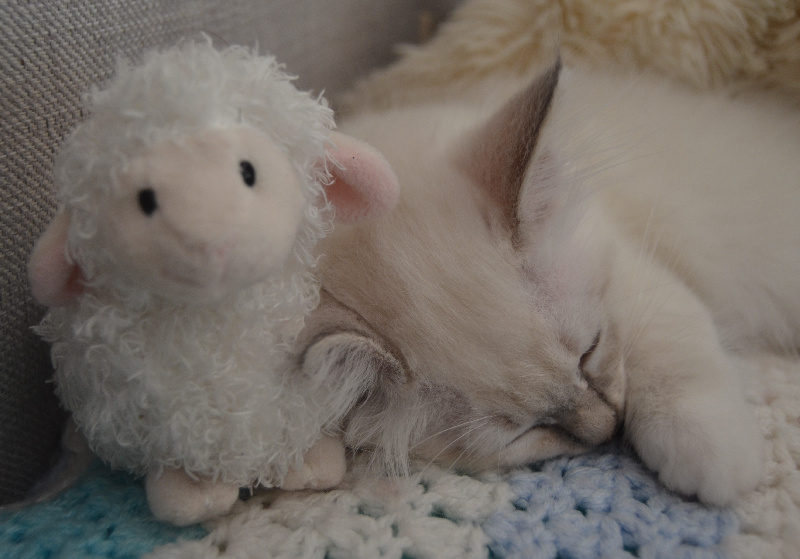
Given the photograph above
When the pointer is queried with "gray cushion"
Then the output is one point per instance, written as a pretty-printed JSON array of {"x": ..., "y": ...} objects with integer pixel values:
[{"x": 50, "y": 52}]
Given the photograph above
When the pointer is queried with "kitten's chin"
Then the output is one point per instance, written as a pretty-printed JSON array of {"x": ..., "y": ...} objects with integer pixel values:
[{"x": 539, "y": 443}]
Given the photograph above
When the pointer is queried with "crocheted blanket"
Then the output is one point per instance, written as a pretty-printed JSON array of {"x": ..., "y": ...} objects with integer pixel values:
[
  {"x": 601, "y": 504},
  {"x": 598, "y": 505}
]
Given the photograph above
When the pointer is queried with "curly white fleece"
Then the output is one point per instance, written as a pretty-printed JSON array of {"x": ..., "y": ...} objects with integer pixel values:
[
  {"x": 174, "y": 93},
  {"x": 153, "y": 383}
]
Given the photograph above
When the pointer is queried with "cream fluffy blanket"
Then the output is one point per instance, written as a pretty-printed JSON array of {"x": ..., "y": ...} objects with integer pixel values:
[{"x": 705, "y": 43}]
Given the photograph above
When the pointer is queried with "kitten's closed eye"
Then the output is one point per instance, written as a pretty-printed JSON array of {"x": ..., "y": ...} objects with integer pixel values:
[{"x": 590, "y": 351}]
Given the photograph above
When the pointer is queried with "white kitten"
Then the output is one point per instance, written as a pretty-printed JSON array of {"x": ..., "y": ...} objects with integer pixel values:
[{"x": 579, "y": 259}]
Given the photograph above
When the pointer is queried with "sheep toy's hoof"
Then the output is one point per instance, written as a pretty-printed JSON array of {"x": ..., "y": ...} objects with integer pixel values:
[
  {"x": 323, "y": 467},
  {"x": 176, "y": 498}
]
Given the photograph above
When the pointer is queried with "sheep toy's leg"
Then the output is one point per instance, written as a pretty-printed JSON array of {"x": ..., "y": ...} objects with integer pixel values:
[
  {"x": 323, "y": 466},
  {"x": 177, "y": 498}
]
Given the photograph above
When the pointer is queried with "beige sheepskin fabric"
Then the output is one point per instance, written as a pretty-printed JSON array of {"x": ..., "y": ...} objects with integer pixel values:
[{"x": 705, "y": 43}]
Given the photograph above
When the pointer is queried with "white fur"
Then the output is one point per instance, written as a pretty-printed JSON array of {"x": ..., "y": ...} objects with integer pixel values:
[
  {"x": 669, "y": 223},
  {"x": 208, "y": 384},
  {"x": 173, "y": 94}
]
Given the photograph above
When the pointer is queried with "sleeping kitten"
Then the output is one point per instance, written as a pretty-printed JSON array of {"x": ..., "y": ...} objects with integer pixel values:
[{"x": 582, "y": 258}]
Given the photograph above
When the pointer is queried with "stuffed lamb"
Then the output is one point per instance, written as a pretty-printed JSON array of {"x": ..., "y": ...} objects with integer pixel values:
[{"x": 178, "y": 270}]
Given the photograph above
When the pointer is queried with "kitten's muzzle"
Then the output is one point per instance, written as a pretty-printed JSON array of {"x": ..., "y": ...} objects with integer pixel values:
[
  {"x": 596, "y": 412},
  {"x": 591, "y": 422}
]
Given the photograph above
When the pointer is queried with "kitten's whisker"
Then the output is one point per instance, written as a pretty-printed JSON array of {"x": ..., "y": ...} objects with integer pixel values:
[
  {"x": 470, "y": 444},
  {"x": 471, "y": 447},
  {"x": 459, "y": 425},
  {"x": 475, "y": 424}
]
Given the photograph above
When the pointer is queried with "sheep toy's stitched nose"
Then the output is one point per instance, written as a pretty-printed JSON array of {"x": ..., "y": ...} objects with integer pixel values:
[{"x": 147, "y": 201}]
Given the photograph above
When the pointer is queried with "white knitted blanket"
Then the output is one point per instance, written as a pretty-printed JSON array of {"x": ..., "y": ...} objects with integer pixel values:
[{"x": 603, "y": 504}]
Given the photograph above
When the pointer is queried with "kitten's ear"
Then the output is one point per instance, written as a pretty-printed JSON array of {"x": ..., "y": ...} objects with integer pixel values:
[
  {"x": 364, "y": 185},
  {"x": 500, "y": 154},
  {"x": 341, "y": 349},
  {"x": 360, "y": 369}
]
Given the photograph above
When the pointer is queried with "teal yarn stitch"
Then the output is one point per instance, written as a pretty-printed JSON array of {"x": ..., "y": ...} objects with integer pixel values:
[
  {"x": 603, "y": 504},
  {"x": 104, "y": 516}
]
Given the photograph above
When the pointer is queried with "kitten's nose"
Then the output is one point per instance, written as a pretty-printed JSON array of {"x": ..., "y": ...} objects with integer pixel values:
[{"x": 592, "y": 420}]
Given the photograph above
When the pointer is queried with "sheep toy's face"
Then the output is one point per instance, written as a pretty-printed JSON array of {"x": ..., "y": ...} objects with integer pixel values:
[{"x": 196, "y": 218}]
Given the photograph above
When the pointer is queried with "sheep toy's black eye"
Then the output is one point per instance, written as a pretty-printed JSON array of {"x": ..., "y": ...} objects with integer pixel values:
[
  {"x": 147, "y": 201},
  {"x": 248, "y": 172}
]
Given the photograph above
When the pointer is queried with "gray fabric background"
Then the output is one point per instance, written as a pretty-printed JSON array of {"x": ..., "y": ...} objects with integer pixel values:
[{"x": 53, "y": 50}]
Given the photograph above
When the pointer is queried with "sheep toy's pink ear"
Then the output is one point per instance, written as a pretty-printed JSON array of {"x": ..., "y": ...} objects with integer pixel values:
[
  {"x": 364, "y": 185},
  {"x": 55, "y": 281}
]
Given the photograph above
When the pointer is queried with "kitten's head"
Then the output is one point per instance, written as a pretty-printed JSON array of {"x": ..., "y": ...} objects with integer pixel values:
[{"x": 475, "y": 315}]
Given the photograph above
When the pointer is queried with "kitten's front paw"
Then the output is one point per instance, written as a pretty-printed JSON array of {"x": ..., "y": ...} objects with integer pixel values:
[{"x": 704, "y": 446}]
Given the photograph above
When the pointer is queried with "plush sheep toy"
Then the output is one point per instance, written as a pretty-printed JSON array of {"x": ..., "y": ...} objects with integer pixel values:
[{"x": 179, "y": 272}]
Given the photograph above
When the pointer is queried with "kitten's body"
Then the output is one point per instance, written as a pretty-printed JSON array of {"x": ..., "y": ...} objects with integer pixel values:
[{"x": 654, "y": 230}]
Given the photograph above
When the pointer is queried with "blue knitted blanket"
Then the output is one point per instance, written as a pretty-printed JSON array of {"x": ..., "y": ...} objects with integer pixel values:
[{"x": 602, "y": 504}]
